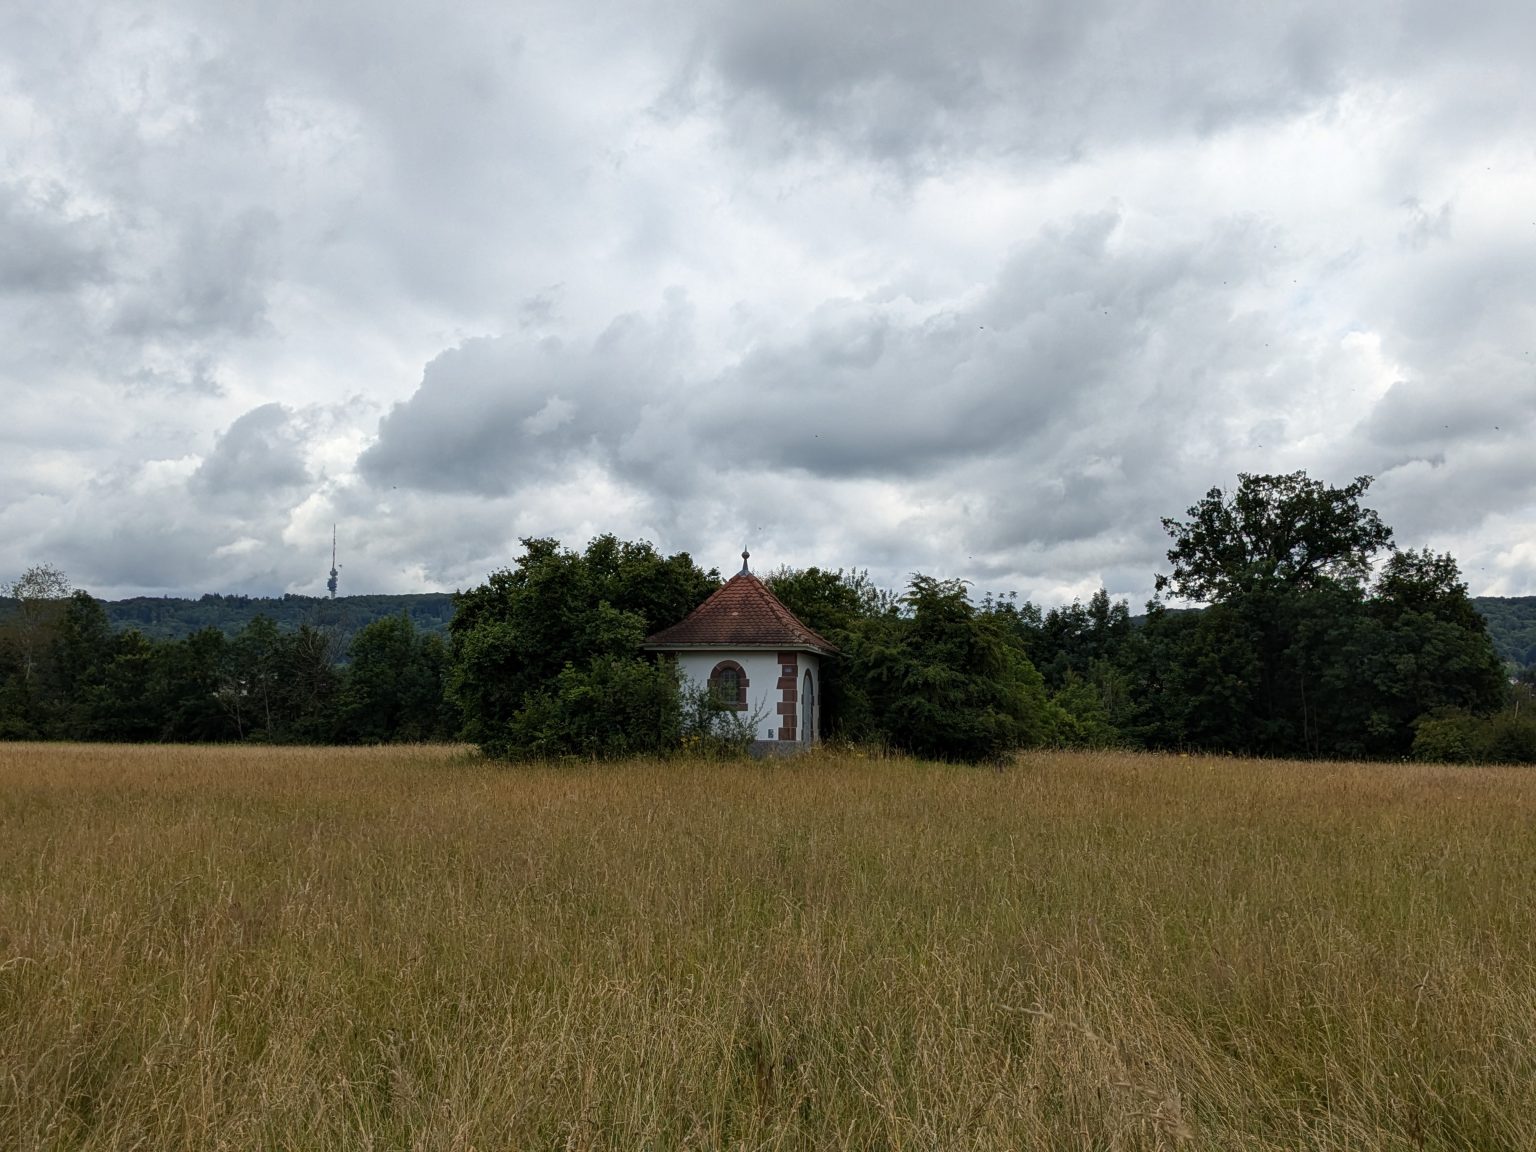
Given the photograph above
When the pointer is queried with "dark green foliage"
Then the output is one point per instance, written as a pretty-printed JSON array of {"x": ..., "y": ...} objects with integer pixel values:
[
  {"x": 1075, "y": 638},
  {"x": 74, "y": 672},
  {"x": 1191, "y": 679},
  {"x": 103, "y": 681},
  {"x": 1330, "y": 670},
  {"x": 187, "y": 676},
  {"x": 613, "y": 707},
  {"x": 539, "y": 641},
  {"x": 930, "y": 672},
  {"x": 831, "y": 603},
  {"x": 1509, "y": 737},
  {"x": 1296, "y": 655},
  {"x": 1433, "y": 649},
  {"x": 1069, "y": 641},
  {"x": 1082, "y": 716},
  {"x": 1449, "y": 736},
  {"x": 1460, "y": 736},
  {"x": 395, "y": 685},
  {"x": 1287, "y": 532},
  {"x": 280, "y": 687},
  {"x": 89, "y": 682},
  {"x": 949, "y": 681},
  {"x": 1076, "y": 648}
]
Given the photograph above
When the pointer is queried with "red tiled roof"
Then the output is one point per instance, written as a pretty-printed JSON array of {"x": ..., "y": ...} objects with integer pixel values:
[{"x": 742, "y": 613}]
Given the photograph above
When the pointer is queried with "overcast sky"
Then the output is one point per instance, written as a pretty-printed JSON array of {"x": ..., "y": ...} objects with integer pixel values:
[{"x": 978, "y": 290}]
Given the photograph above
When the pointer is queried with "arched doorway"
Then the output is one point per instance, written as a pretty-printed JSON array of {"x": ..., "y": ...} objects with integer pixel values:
[{"x": 808, "y": 709}]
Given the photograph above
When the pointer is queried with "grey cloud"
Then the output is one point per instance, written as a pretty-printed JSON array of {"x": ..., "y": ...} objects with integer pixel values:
[
  {"x": 493, "y": 414},
  {"x": 126, "y": 531},
  {"x": 197, "y": 373},
  {"x": 904, "y": 81},
  {"x": 1432, "y": 499},
  {"x": 1469, "y": 303},
  {"x": 1420, "y": 416},
  {"x": 1041, "y": 82},
  {"x": 44, "y": 247},
  {"x": 540, "y": 309},
  {"x": 1424, "y": 225},
  {"x": 1053, "y": 346},
  {"x": 1450, "y": 442},
  {"x": 400, "y": 539},
  {"x": 216, "y": 281},
  {"x": 143, "y": 552},
  {"x": 258, "y": 458}
]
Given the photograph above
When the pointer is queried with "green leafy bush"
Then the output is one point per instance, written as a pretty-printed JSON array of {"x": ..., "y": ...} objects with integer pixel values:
[
  {"x": 1457, "y": 736},
  {"x": 611, "y": 708}
]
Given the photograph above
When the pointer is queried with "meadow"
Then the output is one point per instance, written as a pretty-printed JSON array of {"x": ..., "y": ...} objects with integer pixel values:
[{"x": 251, "y": 948}]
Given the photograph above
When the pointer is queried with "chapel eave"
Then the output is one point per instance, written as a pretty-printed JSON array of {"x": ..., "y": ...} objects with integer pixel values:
[{"x": 733, "y": 646}]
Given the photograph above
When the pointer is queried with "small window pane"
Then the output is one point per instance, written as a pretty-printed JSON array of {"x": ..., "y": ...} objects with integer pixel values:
[{"x": 727, "y": 685}]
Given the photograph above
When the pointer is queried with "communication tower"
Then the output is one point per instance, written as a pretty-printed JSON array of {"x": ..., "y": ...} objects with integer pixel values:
[{"x": 335, "y": 571}]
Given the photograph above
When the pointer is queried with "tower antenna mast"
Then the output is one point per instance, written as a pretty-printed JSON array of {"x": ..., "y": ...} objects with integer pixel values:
[{"x": 331, "y": 583}]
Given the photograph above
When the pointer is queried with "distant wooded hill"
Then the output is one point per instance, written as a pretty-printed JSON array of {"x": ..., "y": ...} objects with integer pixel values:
[
  {"x": 1512, "y": 624},
  {"x": 167, "y": 618}
]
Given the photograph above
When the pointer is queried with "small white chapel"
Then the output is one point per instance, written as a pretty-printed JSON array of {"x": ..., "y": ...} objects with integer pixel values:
[{"x": 751, "y": 652}]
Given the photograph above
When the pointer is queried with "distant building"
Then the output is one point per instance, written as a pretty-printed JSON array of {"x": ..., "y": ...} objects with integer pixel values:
[{"x": 754, "y": 656}]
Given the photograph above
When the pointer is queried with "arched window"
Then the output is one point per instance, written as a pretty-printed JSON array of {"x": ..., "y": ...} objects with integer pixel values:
[{"x": 728, "y": 685}]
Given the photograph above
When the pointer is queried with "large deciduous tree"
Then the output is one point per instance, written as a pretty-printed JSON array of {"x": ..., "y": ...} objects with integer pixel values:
[
  {"x": 1273, "y": 532},
  {"x": 560, "y": 629},
  {"x": 1298, "y": 653},
  {"x": 394, "y": 684},
  {"x": 38, "y": 597}
]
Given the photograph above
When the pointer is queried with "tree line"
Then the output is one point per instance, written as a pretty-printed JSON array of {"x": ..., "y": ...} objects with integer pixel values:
[
  {"x": 1305, "y": 632},
  {"x": 66, "y": 674}
]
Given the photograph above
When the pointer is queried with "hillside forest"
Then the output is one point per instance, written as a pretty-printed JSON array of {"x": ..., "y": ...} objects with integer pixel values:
[{"x": 1300, "y": 630}]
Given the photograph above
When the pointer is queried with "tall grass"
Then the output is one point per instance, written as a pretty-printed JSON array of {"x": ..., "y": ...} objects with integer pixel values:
[{"x": 298, "y": 948}]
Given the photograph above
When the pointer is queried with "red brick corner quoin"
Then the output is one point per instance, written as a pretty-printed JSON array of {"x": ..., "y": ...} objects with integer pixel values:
[{"x": 789, "y": 704}]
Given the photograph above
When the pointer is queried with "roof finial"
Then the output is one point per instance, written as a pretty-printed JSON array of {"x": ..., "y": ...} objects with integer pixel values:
[{"x": 744, "y": 557}]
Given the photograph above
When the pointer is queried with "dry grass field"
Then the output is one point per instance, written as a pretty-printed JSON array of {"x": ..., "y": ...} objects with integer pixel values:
[{"x": 311, "y": 949}]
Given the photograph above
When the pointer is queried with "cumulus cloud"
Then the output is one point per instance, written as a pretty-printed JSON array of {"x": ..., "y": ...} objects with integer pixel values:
[
  {"x": 493, "y": 414},
  {"x": 258, "y": 458}
]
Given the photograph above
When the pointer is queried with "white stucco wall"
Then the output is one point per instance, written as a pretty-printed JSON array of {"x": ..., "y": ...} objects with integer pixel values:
[{"x": 762, "y": 670}]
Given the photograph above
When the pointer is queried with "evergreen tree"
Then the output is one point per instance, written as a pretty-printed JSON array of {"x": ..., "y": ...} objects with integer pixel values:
[{"x": 951, "y": 682}]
